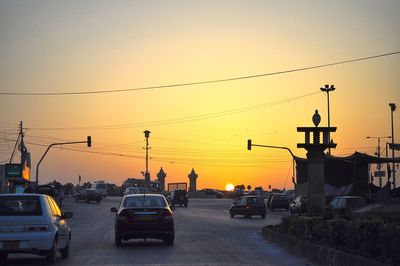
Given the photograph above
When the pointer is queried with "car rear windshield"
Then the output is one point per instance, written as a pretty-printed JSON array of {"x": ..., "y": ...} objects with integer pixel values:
[
  {"x": 144, "y": 201},
  {"x": 20, "y": 206}
]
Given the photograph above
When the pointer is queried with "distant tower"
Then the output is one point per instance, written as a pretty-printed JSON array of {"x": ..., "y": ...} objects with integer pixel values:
[
  {"x": 192, "y": 180},
  {"x": 147, "y": 174},
  {"x": 161, "y": 178}
]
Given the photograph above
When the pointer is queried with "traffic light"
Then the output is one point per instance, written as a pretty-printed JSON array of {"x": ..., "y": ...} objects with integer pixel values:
[
  {"x": 249, "y": 144},
  {"x": 89, "y": 141}
]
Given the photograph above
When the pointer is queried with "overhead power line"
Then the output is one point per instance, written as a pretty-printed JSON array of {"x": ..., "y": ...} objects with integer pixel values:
[
  {"x": 199, "y": 82},
  {"x": 182, "y": 119}
]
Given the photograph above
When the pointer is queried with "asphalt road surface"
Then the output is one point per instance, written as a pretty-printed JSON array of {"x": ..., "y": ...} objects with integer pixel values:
[{"x": 204, "y": 235}]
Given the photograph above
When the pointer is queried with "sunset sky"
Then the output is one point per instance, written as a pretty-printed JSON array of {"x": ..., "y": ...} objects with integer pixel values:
[{"x": 89, "y": 46}]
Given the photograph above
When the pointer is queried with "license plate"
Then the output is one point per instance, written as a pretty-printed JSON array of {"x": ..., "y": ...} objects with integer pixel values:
[
  {"x": 144, "y": 217},
  {"x": 8, "y": 245}
]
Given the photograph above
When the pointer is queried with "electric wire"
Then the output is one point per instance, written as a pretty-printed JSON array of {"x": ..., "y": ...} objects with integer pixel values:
[{"x": 199, "y": 82}]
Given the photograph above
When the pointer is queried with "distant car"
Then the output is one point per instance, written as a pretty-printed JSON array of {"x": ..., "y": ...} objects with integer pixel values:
[
  {"x": 248, "y": 206},
  {"x": 299, "y": 205},
  {"x": 132, "y": 190},
  {"x": 33, "y": 223},
  {"x": 279, "y": 201},
  {"x": 100, "y": 187},
  {"x": 348, "y": 202},
  {"x": 180, "y": 197},
  {"x": 218, "y": 194},
  {"x": 88, "y": 195},
  {"x": 144, "y": 216}
]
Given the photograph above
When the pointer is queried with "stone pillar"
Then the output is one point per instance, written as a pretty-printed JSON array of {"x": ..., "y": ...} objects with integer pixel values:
[
  {"x": 192, "y": 180},
  {"x": 315, "y": 163},
  {"x": 161, "y": 178}
]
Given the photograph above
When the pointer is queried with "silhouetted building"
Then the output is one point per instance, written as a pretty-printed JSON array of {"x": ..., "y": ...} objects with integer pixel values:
[
  {"x": 192, "y": 180},
  {"x": 161, "y": 179}
]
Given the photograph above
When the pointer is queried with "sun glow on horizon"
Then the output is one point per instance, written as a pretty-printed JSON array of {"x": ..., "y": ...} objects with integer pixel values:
[{"x": 229, "y": 187}]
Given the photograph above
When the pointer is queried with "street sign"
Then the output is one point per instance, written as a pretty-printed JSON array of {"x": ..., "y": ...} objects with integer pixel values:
[
  {"x": 379, "y": 174},
  {"x": 13, "y": 170},
  {"x": 395, "y": 146}
]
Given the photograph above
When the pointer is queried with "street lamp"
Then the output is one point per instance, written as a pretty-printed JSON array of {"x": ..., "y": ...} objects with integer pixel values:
[
  {"x": 328, "y": 89},
  {"x": 379, "y": 153},
  {"x": 392, "y": 109}
]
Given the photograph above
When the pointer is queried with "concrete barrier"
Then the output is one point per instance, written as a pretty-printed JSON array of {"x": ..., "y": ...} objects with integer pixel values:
[{"x": 319, "y": 254}]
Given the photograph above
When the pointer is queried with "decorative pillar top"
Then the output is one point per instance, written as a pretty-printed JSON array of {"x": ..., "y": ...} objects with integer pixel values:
[
  {"x": 193, "y": 174},
  {"x": 315, "y": 142},
  {"x": 161, "y": 174}
]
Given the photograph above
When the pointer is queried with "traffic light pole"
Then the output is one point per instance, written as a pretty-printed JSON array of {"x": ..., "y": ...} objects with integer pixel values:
[{"x": 88, "y": 141}]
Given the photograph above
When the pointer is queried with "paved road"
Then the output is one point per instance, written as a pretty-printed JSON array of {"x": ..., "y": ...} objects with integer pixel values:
[{"x": 205, "y": 235}]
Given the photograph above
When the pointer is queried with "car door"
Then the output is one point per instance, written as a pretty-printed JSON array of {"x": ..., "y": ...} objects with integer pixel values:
[{"x": 59, "y": 223}]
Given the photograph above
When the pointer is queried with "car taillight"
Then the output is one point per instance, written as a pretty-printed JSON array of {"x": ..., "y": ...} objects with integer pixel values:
[
  {"x": 247, "y": 207},
  {"x": 36, "y": 228}
]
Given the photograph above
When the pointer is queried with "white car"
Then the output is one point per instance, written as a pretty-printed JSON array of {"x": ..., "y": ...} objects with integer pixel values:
[
  {"x": 132, "y": 190},
  {"x": 100, "y": 187},
  {"x": 33, "y": 223}
]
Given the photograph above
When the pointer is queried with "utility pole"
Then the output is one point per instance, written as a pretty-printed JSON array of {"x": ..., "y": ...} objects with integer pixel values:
[
  {"x": 147, "y": 174},
  {"x": 392, "y": 109},
  {"x": 378, "y": 153}
]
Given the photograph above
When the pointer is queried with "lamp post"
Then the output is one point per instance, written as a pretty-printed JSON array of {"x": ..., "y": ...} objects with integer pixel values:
[
  {"x": 328, "y": 89},
  {"x": 379, "y": 152},
  {"x": 392, "y": 109},
  {"x": 147, "y": 174}
]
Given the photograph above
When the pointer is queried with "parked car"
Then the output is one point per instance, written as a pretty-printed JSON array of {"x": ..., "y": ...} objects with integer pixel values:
[
  {"x": 279, "y": 201},
  {"x": 180, "y": 197},
  {"x": 132, "y": 190},
  {"x": 299, "y": 205},
  {"x": 88, "y": 195},
  {"x": 218, "y": 194},
  {"x": 144, "y": 216},
  {"x": 33, "y": 223},
  {"x": 248, "y": 206},
  {"x": 348, "y": 202}
]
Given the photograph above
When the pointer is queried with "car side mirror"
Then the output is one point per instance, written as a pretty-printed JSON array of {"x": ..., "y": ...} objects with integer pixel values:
[
  {"x": 113, "y": 209},
  {"x": 67, "y": 215}
]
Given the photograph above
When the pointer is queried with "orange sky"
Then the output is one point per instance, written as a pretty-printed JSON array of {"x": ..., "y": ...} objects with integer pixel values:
[{"x": 76, "y": 46}]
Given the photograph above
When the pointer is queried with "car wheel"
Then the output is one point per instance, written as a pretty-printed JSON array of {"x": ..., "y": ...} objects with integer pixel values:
[
  {"x": 65, "y": 251},
  {"x": 272, "y": 209},
  {"x": 263, "y": 216},
  {"x": 98, "y": 201},
  {"x": 52, "y": 254},
  {"x": 186, "y": 205},
  {"x": 118, "y": 240},
  {"x": 169, "y": 241},
  {"x": 232, "y": 214},
  {"x": 3, "y": 256}
]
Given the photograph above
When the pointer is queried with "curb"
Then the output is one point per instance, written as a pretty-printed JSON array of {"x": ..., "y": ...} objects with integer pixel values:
[{"x": 317, "y": 253}]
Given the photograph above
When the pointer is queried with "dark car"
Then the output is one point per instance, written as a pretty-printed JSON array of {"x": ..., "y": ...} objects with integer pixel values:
[
  {"x": 144, "y": 216},
  {"x": 279, "y": 201},
  {"x": 348, "y": 202},
  {"x": 248, "y": 206},
  {"x": 218, "y": 194},
  {"x": 88, "y": 195},
  {"x": 180, "y": 197},
  {"x": 299, "y": 205},
  {"x": 270, "y": 195}
]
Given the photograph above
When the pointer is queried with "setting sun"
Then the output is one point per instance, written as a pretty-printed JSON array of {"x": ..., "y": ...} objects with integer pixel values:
[{"x": 229, "y": 187}]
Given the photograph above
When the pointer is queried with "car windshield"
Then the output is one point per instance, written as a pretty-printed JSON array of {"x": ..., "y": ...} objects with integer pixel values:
[
  {"x": 254, "y": 200},
  {"x": 144, "y": 201},
  {"x": 20, "y": 206}
]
